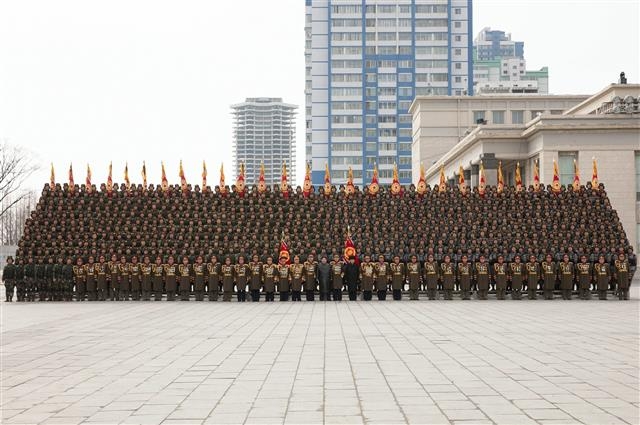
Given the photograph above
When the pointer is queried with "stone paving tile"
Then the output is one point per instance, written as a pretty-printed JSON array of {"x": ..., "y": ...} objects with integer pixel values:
[{"x": 332, "y": 363}]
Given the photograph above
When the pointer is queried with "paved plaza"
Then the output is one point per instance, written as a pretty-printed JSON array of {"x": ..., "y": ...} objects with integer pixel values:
[{"x": 494, "y": 362}]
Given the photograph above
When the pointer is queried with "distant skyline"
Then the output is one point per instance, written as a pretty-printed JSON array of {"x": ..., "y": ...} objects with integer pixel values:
[{"x": 127, "y": 81}]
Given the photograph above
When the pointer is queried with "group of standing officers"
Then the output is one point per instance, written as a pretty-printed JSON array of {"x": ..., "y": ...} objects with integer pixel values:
[{"x": 121, "y": 279}]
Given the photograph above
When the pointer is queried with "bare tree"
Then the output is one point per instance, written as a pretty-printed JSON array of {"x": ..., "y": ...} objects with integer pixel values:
[
  {"x": 16, "y": 166},
  {"x": 12, "y": 222}
]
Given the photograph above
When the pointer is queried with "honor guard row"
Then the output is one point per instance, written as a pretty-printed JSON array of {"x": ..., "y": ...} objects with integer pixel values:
[{"x": 122, "y": 279}]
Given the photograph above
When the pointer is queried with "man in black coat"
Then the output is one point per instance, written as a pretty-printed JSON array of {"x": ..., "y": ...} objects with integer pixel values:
[
  {"x": 324, "y": 279},
  {"x": 351, "y": 274}
]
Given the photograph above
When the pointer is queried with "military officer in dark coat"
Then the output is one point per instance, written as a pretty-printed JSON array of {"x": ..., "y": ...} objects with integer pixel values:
[
  {"x": 9, "y": 279},
  {"x": 622, "y": 276},
  {"x": 464, "y": 276},
  {"x": 516, "y": 275},
  {"x": 550, "y": 275},
  {"x": 602, "y": 274},
  {"x": 584, "y": 271},
  {"x": 398, "y": 277},
  {"x": 532, "y": 277},
  {"x": 567, "y": 277}
]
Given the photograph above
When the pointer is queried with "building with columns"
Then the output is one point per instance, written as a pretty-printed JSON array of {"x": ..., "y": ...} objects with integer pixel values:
[{"x": 605, "y": 126}]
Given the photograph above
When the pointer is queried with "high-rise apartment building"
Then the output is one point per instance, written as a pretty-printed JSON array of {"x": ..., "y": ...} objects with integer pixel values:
[
  {"x": 264, "y": 132},
  {"x": 366, "y": 60}
]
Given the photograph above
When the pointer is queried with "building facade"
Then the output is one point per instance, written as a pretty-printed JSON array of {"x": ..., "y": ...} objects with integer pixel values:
[
  {"x": 366, "y": 60},
  {"x": 264, "y": 132},
  {"x": 605, "y": 126},
  {"x": 499, "y": 66}
]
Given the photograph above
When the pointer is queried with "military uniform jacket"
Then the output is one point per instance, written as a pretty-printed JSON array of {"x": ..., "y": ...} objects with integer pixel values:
[
  {"x": 67, "y": 273},
  {"x": 533, "y": 273},
  {"x": 242, "y": 272},
  {"x": 145, "y": 270},
  {"x": 482, "y": 275},
  {"x": 40, "y": 271},
  {"x": 30, "y": 271},
  {"x": 90, "y": 273},
  {"x": 184, "y": 271},
  {"x": 382, "y": 273},
  {"x": 585, "y": 275},
  {"x": 464, "y": 276},
  {"x": 136, "y": 276},
  {"x": 621, "y": 270},
  {"x": 398, "y": 275},
  {"x": 269, "y": 276},
  {"x": 366, "y": 276},
  {"x": 170, "y": 271},
  {"x": 567, "y": 275},
  {"x": 213, "y": 274},
  {"x": 58, "y": 272},
  {"x": 431, "y": 274},
  {"x": 310, "y": 275},
  {"x": 198, "y": 276},
  {"x": 112, "y": 268},
  {"x": 296, "y": 276},
  {"x": 101, "y": 276},
  {"x": 256, "y": 276},
  {"x": 337, "y": 271},
  {"x": 9, "y": 273},
  {"x": 602, "y": 273},
  {"x": 448, "y": 274},
  {"x": 517, "y": 273},
  {"x": 413, "y": 275},
  {"x": 157, "y": 271},
  {"x": 500, "y": 275},
  {"x": 283, "y": 278},
  {"x": 78, "y": 275},
  {"x": 549, "y": 274},
  {"x": 227, "y": 272},
  {"x": 123, "y": 274},
  {"x": 48, "y": 271}
]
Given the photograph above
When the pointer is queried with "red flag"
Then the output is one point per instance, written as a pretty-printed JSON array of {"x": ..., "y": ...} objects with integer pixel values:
[
  {"x": 87, "y": 181},
  {"x": 306, "y": 186},
  {"x": 518, "y": 178},
  {"x": 183, "y": 179},
  {"x": 350, "y": 249},
  {"x": 374, "y": 187},
  {"x": 283, "y": 252},
  {"x": 483, "y": 182},
  {"x": 52, "y": 183},
  {"x": 396, "y": 189},
  {"x": 536, "y": 176},
  {"x": 555, "y": 186},
  {"x": 262, "y": 185},
  {"x": 284, "y": 186},
  {"x": 594, "y": 174},
  {"x": 421, "y": 187},
  {"x": 72, "y": 185},
  {"x": 350, "y": 189},
  {"x": 110, "y": 179},
  {"x": 576, "y": 176},
  {"x": 500, "y": 187},
  {"x": 327, "y": 180},
  {"x": 164, "y": 181}
]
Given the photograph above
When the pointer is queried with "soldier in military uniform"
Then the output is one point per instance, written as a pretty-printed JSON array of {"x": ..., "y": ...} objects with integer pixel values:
[
  {"x": 48, "y": 278},
  {"x": 584, "y": 272},
  {"x": 337, "y": 274},
  {"x": 431, "y": 277},
  {"x": 533, "y": 277},
  {"x": 310, "y": 277},
  {"x": 464, "y": 277},
  {"x": 227, "y": 272},
  {"x": 366, "y": 278},
  {"x": 20, "y": 281},
  {"x": 157, "y": 271},
  {"x": 114, "y": 286},
  {"x": 398, "y": 277},
  {"x": 414, "y": 277},
  {"x": 184, "y": 272},
  {"x": 170, "y": 278},
  {"x": 382, "y": 274},
  {"x": 90, "y": 276},
  {"x": 40, "y": 285},
  {"x": 242, "y": 272},
  {"x": 68, "y": 276},
  {"x": 602, "y": 273},
  {"x": 516, "y": 276},
  {"x": 622, "y": 276},
  {"x": 351, "y": 277},
  {"x": 146, "y": 271},
  {"x": 124, "y": 281},
  {"x": 101, "y": 279},
  {"x": 297, "y": 274},
  {"x": 549, "y": 274},
  {"x": 79, "y": 279},
  {"x": 135, "y": 274},
  {"x": 29, "y": 279},
  {"x": 567, "y": 277},
  {"x": 9, "y": 279},
  {"x": 284, "y": 279},
  {"x": 500, "y": 277},
  {"x": 255, "y": 283},
  {"x": 198, "y": 278},
  {"x": 324, "y": 279},
  {"x": 448, "y": 277},
  {"x": 269, "y": 275},
  {"x": 213, "y": 278},
  {"x": 482, "y": 276},
  {"x": 58, "y": 280}
]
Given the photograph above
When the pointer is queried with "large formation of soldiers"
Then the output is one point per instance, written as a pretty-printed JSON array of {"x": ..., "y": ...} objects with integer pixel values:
[{"x": 153, "y": 243}]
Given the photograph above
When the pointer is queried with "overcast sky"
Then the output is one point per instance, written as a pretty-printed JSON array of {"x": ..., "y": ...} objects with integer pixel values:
[{"x": 133, "y": 80}]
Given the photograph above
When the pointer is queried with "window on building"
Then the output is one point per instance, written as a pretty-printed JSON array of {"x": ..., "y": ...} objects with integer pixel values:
[
  {"x": 478, "y": 115},
  {"x": 371, "y": 146},
  {"x": 457, "y": 52},
  {"x": 458, "y": 79},
  {"x": 517, "y": 117},
  {"x": 458, "y": 65},
  {"x": 565, "y": 166},
  {"x": 497, "y": 117},
  {"x": 457, "y": 24},
  {"x": 458, "y": 38},
  {"x": 457, "y": 11}
]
